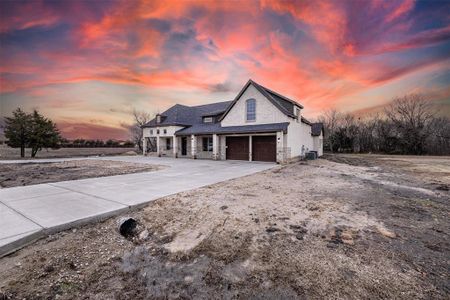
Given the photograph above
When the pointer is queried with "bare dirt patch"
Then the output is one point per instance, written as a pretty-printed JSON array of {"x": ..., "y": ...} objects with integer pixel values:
[
  {"x": 317, "y": 230},
  {"x": 19, "y": 174},
  {"x": 14, "y": 153}
]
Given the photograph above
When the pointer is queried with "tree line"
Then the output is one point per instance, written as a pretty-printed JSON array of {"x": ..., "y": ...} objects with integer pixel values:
[
  {"x": 85, "y": 143},
  {"x": 409, "y": 125}
]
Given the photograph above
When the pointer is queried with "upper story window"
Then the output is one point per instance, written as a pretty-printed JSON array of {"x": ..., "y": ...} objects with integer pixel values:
[
  {"x": 158, "y": 119},
  {"x": 251, "y": 110},
  {"x": 165, "y": 131},
  {"x": 151, "y": 131},
  {"x": 157, "y": 131},
  {"x": 297, "y": 113},
  {"x": 207, "y": 119}
]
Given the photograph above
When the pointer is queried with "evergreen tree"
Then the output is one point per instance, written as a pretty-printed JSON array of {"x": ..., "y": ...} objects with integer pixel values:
[{"x": 18, "y": 130}]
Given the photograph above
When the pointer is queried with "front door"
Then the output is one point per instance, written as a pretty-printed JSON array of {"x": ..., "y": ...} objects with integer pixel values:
[{"x": 183, "y": 146}]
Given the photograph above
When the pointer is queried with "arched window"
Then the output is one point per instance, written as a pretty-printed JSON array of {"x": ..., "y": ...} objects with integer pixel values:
[{"x": 251, "y": 110}]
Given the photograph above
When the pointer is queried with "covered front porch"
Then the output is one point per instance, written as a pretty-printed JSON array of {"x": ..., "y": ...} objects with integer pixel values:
[{"x": 192, "y": 146}]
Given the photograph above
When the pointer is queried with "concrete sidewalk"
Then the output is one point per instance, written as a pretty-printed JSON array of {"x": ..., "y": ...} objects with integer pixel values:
[{"x": 30, "y": 212}]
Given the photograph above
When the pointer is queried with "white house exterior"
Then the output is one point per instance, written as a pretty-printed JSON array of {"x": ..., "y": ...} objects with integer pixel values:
[{"x": 258, "y": 125}]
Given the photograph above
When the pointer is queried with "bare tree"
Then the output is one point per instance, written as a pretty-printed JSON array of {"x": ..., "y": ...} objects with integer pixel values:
[
  {"x": 439, "y": 138},
  {"x": 330, "y": 120},
  {"x": 411, "y": 116},
  {"x": 140, "y": 119}
]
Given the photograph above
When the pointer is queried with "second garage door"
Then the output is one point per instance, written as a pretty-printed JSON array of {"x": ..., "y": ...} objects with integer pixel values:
[
  {"x": 237, "y": 147},
  {"x": 264, "y": 148}
]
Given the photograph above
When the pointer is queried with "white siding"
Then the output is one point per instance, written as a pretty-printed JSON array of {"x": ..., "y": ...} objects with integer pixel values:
[
  {"x": 266, "y": 112},
  {"x": 318, "y": 144},
  {"x": 169, "y": 129},
  {"x": 299, "y": 139}
]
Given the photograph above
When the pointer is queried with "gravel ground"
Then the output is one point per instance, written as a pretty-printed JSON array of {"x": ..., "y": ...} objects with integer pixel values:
[
  {"x": 350, "y": 227},
  {"x": 44, "y": 172}
]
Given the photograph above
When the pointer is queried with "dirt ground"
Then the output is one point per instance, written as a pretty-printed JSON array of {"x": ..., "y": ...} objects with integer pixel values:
[
  {"x": 345, "y": 227},
  {"x": 43, "y": 172},
  {"x": 14, "y": 153}
]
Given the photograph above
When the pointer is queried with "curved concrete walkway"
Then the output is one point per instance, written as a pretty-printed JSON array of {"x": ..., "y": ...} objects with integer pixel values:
[{"x": 30, "y": 212}]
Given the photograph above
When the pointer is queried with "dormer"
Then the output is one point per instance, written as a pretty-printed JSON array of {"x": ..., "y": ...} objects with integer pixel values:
[
  {"x": 208, "y": 119},
  {"x": 160, "y": 118}
]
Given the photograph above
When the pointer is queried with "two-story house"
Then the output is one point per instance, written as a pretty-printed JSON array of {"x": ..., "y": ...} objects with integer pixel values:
[{"x": 258, "y": 125}]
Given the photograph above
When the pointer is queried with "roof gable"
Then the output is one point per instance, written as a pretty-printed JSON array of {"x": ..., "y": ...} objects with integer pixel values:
[{"x": 284, "y": 104}]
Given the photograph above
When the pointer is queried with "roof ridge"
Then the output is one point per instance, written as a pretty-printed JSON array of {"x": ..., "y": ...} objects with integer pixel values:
[
  {"x": 279, "y": 95},
  {"x": 211, "y": 103},
  {"x": 263, "y": 90}
]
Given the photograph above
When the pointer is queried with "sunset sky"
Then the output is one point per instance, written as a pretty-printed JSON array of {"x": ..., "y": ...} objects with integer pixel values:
[{"x": 87, "y": 64}]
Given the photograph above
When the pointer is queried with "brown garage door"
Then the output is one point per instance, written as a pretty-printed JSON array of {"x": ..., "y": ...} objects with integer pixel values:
[
  {"x": 264, "y": 148},
  {"x": 237, "y": 147}
]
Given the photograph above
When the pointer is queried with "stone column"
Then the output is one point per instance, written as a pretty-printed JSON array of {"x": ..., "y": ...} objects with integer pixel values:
[
  {"x": 194, "y": 146},
  {"x": 215, "y": 139},
  {"x": 175, "y": 146},
  {"x": 280, "y": 147},
  {"x": 144, "y": 146}
]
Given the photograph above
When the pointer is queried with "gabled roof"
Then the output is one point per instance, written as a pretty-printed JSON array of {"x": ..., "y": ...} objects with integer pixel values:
[
  {"x": 182, "y": 115},
  {"x": 316, "y": 129},
  {"x": 284, "y": 104}
]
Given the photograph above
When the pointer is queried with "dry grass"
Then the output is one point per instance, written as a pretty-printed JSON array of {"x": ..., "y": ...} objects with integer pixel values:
[
  {"x": 34, "y": 173},
  {"x": 14, "y": 153}
]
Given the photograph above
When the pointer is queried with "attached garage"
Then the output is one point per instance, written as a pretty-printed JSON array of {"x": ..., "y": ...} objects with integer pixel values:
[
  {"x": 264, "y": 148},
  {"x": 237, "y": 147}
]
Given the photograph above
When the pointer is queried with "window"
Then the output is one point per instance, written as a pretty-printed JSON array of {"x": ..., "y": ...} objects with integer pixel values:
[
  {"x": 207, "y": 144},
  {"x": 158, "y": 119},
  {"x": 207, "y": 120},
  {"x": 157, "y": 131},
  {"x": 165, "y": 131},
  {"x": 151, "y": 131},
  {"x": 168, "y": 144},
  {"x": 251, "y": 110}
]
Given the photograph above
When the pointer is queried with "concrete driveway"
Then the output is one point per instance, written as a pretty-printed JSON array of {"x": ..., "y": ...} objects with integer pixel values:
[{"x": 29, "y": 212}]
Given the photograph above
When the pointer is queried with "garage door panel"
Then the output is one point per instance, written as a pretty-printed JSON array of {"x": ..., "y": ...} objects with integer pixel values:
[
  {"x": 264, "y": 148},
  {"x": 237, "y": 147}
]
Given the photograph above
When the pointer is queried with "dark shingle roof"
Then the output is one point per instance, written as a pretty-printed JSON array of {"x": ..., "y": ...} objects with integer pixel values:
[
  {"x": 182, "y": 115},
  {"x": 304, "y": 120},
  {"x": 217, "y": 128},
  {"x": 316, "y": 129}
]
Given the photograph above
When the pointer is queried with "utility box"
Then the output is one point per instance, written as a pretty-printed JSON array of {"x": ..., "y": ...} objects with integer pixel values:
[{"x": 311, "y": 155}]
